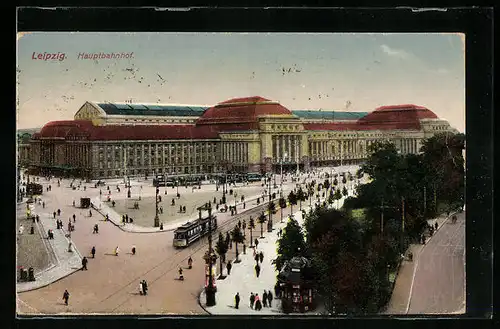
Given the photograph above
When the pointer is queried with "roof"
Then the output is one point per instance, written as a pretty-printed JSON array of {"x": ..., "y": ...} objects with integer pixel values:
[
  {"x": 242, "y": 110},
  {"x": 86, "y": 130},
  {"x": 405, "y": 116},
  {"x": 328, "y": 114},
  {"x": 152, "y": 109}
]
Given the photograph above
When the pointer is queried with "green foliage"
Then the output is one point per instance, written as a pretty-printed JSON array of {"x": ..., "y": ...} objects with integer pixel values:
[
  {"x": 282, "y": 203},
  {"x": 335, "y": 182},
  {"x": 337, "y": 195},
  {"x": 221, "y": 247},
  {"x": 290, "y": 243},
  {"x": 344, "y": 180},
  {"x": 344, "y": 191}
]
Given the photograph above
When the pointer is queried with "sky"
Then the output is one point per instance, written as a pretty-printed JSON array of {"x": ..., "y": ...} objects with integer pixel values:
[{"x": 333, "y": 71}]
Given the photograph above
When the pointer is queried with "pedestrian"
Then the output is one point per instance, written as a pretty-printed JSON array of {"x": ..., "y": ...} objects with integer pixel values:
[
  {"x": 436, "y": 225},
  {"x": 277, "y": 290},
  {"x": 93, "y": 252},
  {"x": 270, "y": 298},
  {"x": 141, "y": 288},
  {"x": 190, "y": 263},
  {"x": 58, "y": 212},
  {"x": 43, "y": 204},
  {"x": 84, "y": 263},
  {"x": 133, "y": 250},
  {"x": 90, "y": 213},
  {"x": 264, "y": 299},
  {"x": 145, "y": 287},
  {"x": 54, "y": 213},
  {"x": 96, "y": 228},
  {"x": 256, "y": 243},
  {"x": 74, "y": 218},
  {"x": 237, "y": 300},
  {"x": 73, "y": 203},
  {"x": 229, "y": 266},
  {"x": 117, "y": 250},
  {"x": 181, "y": 276},
  {"x": 66, "y": 297},
  {"x": 261, "y": 257},
  {"x": 258, "y": 303},
  {"x": 244, "y": 249},
  {"x": 252, "y": 300},
  {"x": 257, "y": 270},
  {"x": 256, "y": 257},
  {"x": 37, "y": 218}
]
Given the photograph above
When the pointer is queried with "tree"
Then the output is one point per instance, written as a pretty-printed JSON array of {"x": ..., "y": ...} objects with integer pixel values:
[
  {"x": 335, "y": 182},
  {"x": 344, "y": 180},
  {"x": 326, "y": 184},
  {"x": 292, "y": 198},
  {"x": 251, "y": 227},
  {"x": 337, "y": 258},
  {"x": 237, "y": 237},
  {"x": 282, "y": 203},
  {"x": 344, "y": 191},
  {"x": 262, "y": 220},
  {"x": 301, "y": 197},
  {"x": 290, "y": 244},
  {"x": 337, "y": 196},
  {"x": 221, "y": 248}
]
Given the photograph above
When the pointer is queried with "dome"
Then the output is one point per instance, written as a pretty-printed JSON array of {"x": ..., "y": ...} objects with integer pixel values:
[{"x": 242, "y": 110}]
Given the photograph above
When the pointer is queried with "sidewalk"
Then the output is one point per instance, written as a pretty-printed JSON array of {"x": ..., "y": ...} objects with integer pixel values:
[
  {"x": 244, "y": 280},
  {"x": 66, "y": 262},
  {"x": 400, "y": 298}
]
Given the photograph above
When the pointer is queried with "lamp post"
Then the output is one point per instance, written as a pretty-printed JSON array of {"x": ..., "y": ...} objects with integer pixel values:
[
  {"x": 209, "y": 259},
  {"x": 157, "y": 218},
  {"x": 284, "y": 156},
  {"x": 270, "y": 221}
]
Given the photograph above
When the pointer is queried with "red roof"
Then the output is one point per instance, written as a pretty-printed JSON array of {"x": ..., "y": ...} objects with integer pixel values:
[
  {"x": 242, "y": 110},
  {"x": 85, "y": 129},
  {"x": 405, "y": 116}
]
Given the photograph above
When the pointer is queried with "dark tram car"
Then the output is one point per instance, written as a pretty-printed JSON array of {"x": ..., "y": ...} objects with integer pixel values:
[{"x": 191, "y": 231}]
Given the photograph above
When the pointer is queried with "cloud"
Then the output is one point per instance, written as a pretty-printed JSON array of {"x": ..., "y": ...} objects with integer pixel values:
[{"x": 399, "y": 53}]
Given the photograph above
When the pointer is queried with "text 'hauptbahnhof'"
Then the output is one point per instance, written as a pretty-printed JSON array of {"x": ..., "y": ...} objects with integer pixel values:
[{"x": 250, "y": 134}]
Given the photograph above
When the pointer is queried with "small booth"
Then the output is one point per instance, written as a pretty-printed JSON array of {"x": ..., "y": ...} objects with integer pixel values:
[
  {"x": 295, "y": 282},
  {"x": 84, "y": 203}
]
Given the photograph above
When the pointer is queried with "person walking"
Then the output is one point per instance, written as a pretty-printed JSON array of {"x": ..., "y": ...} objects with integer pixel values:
[
  {"x": 96, "y": 229},
  {"x": 261, "y": 257},
  {"x": 145, "y": 287},
  {"x": 270, "y": 298},
  {"x": 436, "y": 225},
  {"x": 264, "y": 299},
  {"x": 117, "y": 250},
  {"x": 74, "y": 218},
  {"x": 258, "y": 303},
  {"x": 141, "y": 288},
  {"x": 66, "y": 297},
  {"x": 133, "y": 250},
  {"x": 93, "y": 252},
  {"x": 257, "y": 258},
  {"x": 257, "y": 270},
  {"x": 84, "y": 263},
  {"x": 58, "y": 212},
  {"x": 229, "y": 266},
  {"x": 256, "y": 243},
  {"x": 237, "y": 300},
  {"x": 252, "y": 300},
  {"x": 54, "y": 213},
  {"x": 190, "y": 262}
]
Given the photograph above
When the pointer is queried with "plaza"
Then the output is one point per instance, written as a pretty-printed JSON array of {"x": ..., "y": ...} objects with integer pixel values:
[{"x": 110, "y": 284}]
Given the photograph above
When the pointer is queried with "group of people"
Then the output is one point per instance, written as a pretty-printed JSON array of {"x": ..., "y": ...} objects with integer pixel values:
[{"x": 256, "y": 303}]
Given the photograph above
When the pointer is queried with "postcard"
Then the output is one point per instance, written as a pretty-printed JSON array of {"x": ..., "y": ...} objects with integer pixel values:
[{"x": 240, "y": 173}]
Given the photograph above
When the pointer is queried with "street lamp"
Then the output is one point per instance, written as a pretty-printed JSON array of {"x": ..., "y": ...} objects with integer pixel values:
[
  {"x": 210, "y": 258},
  {"x": 270, "y": 221},
  {"x": 157, "y": 218},
  {"x": 284, "y": 156}
]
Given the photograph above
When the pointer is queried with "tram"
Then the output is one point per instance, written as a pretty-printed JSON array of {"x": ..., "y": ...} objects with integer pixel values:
[
  {"x": 254, "y": 177},
  {"x": 188, "y": 233}
]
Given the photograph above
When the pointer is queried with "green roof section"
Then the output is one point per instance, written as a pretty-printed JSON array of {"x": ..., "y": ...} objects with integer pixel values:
[
  {"x": 152, "y": 109},
  {"x": 328, "y": 114}
]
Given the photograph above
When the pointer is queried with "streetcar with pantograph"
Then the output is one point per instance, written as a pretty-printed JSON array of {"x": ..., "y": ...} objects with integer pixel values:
[{"x": 191, "y": 231}]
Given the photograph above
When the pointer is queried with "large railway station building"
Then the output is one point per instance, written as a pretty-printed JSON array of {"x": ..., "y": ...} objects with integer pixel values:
[{"x": 250, "y": 134}]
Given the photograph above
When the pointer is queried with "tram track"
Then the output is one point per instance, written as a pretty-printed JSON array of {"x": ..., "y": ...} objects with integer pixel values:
[{"x": 178, "y": 258}]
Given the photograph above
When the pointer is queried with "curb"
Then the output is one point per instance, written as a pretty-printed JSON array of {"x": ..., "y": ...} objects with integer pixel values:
[
  {"x": 52, "y": 267},
  {"x": 200, "y": 303}
]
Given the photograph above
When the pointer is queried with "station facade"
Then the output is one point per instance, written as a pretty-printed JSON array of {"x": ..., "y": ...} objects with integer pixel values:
[{"x": 250, "y": 134}]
